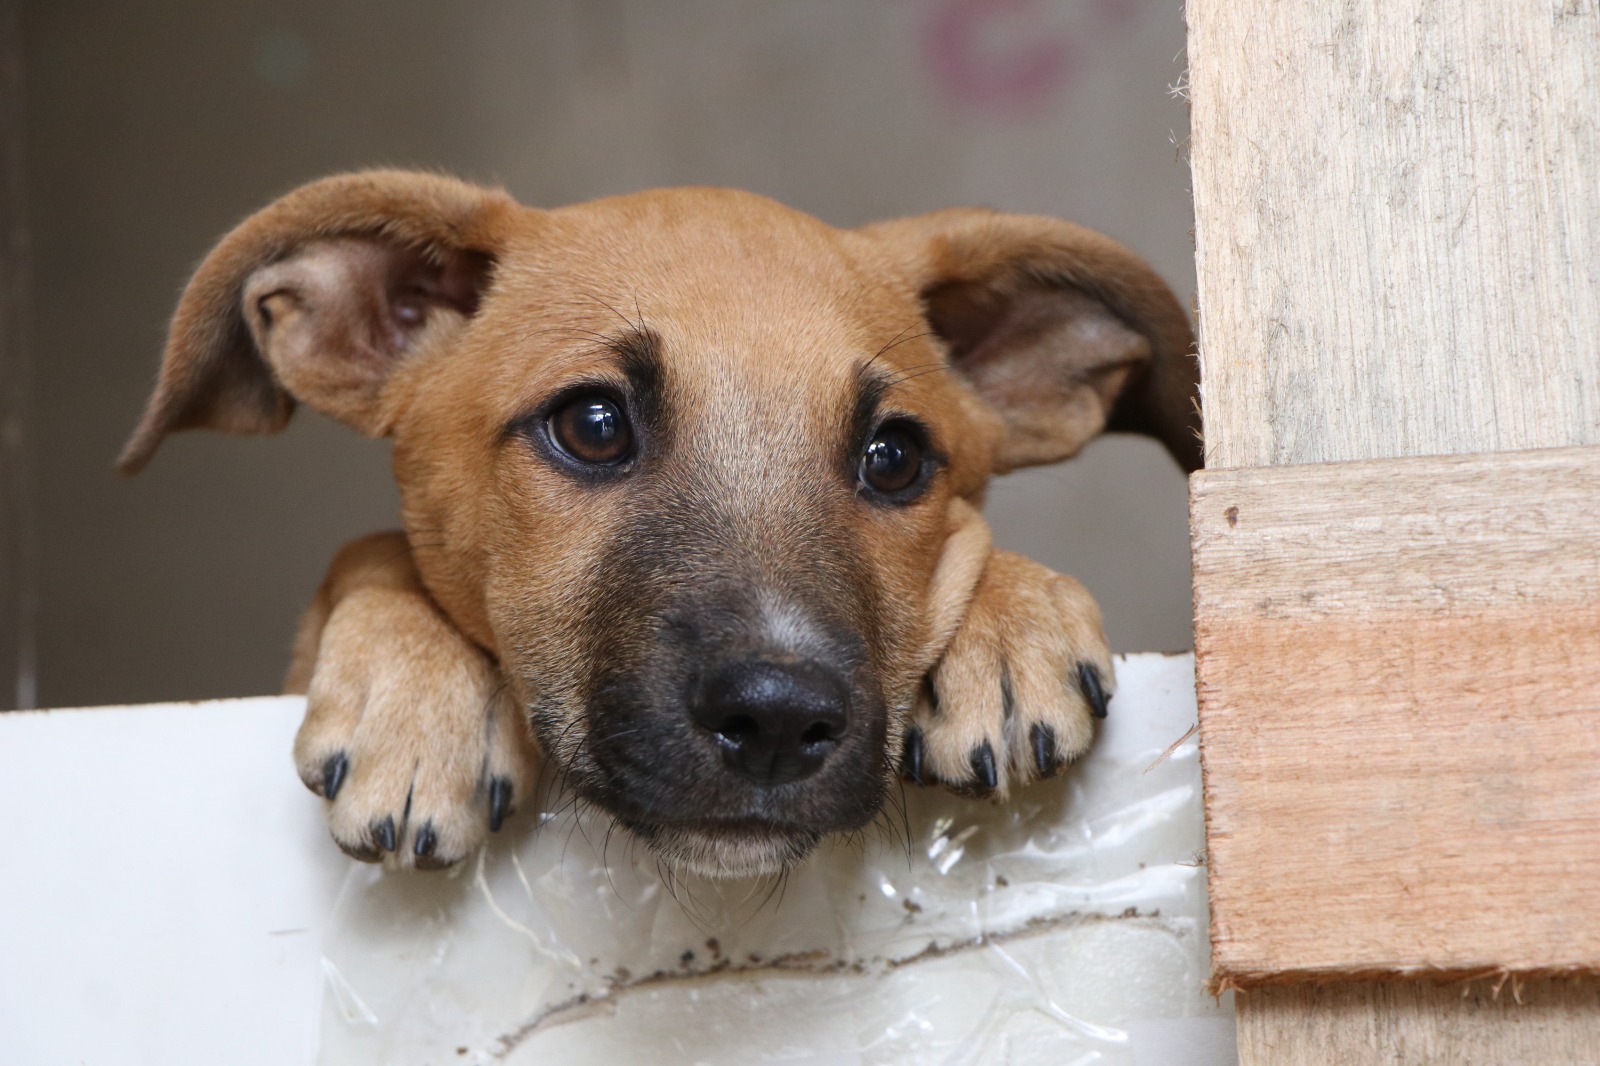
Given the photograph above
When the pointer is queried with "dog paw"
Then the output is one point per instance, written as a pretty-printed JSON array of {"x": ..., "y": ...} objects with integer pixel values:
[
  {"x": 409, "y": 735},
  {"x": 1015, "y": 696}
]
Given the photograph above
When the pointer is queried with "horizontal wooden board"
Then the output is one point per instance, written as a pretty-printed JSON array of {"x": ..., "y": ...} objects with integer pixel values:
[{"x": 1398, "y": 666}]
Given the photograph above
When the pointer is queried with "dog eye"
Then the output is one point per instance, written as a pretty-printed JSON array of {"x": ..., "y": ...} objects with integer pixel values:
[
  {"x": 892, "y": 461},
  {"x": 592, "y": 429}
]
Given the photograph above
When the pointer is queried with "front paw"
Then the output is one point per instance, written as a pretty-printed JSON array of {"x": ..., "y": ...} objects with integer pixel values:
[
  {"x": 409, "y": 734},
  {"x": 1015, "y": 696}
]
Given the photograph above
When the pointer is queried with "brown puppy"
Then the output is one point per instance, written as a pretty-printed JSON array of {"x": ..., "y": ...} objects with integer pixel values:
[{"x": 690, "y": 486}]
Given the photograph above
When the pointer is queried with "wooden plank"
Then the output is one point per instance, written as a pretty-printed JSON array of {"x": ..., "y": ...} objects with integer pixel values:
[
  {"x": 1399, "y": 681},
  {"x": 1397, "y": 226},
  {"x": 1397, "y": 243},
  {"x": 1539, "y": 1023}
]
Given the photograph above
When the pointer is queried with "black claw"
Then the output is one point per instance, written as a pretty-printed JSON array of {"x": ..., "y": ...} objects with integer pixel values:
[
  {"x": 384, "y": 833},
  {"x": 434, "y": 862},
  {"x": 911, "y": 756},
  {"x": 426, "y": 839},
  {"x": 982, "y": 760},
  {"x": 1089, "y": 682},
  {"x": 333, "y": 772},
  {"x": 360, "y": 852},
  {"x": 425, "y": 855},
  {"x": 499, "y": 802},
  {"x": 1044, "y": 749}
]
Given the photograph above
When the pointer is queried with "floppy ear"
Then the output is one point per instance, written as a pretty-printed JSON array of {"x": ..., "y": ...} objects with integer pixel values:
[
  {"x": 1063, "y": 331},
  {"x": 317, "y": 298}
]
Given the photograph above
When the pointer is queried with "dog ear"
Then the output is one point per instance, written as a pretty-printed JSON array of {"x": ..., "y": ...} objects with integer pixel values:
[
  {"x": 317, "y": 298},
  {"x": 1063, "y": 331}
]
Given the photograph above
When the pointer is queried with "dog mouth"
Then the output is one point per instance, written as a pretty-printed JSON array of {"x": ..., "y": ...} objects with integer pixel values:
[
  {"x": 721, "y": 826},
  {"x": 742, "y": 796},
  {"x": 727, "y": 850},
  {"x": 704, "y": 820}
]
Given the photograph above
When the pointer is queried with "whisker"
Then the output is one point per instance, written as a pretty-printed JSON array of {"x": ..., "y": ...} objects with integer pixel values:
[
  {"x": 605, "y": 860},
  {"x": 917, "y": 372},
  {"x": 899, "y": 340},
  {"x": 892, "y": 341},
  {"x": 624, "y": 318}
]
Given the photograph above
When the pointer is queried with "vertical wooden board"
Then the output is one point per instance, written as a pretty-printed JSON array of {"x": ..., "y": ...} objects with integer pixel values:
[
  {"x": 1397, "y": 226},
  {"x": 1399, "y": 682},
  {"x": 1537, "y": 1023}
]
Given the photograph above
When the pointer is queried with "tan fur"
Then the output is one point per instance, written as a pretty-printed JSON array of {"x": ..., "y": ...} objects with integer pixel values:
[
  {"x": 438, "y": 313},
  {"x": 1034, "y": 627},
  {"x": 423, "y": 713}
]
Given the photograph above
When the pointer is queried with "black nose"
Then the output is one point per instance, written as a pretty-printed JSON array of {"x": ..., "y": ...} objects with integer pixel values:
[{"x": 775, "y": 721}]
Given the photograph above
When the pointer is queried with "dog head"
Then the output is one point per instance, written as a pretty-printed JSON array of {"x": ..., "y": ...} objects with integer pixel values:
[{"x": 699, "y": 470}]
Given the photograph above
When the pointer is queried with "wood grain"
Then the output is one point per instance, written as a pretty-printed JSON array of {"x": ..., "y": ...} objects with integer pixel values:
[
  {"x": 1397, "y": 226},
  {"x": 1540, "y": 1023},
  {"x": 1398, "y": 250},
  {"x": 1399, "y": 677}
]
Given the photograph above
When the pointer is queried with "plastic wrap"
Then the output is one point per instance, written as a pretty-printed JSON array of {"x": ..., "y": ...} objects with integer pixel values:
[{"x": 1065, "y": 926}]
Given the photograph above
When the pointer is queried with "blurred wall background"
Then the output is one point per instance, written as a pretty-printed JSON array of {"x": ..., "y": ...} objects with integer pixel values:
[{"x": 153, "y": 126}]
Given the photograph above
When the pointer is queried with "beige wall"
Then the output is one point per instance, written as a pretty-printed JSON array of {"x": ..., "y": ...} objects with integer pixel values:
[{"x": 155, "y": 125}]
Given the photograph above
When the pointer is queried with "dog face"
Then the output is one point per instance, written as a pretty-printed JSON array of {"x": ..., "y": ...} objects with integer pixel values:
[
  {"x": 715, "y": 490},
  {"x": 690, "y": 464}
]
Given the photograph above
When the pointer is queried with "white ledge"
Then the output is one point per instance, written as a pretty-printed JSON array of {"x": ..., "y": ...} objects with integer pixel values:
[{"x": 170, "y": 897}]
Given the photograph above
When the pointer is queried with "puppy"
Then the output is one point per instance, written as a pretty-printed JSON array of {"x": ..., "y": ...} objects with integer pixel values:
[{"x": 690, "y": 487}]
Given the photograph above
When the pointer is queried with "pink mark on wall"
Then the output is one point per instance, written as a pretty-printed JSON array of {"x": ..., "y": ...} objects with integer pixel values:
[{"x": 1013, "y": 57}]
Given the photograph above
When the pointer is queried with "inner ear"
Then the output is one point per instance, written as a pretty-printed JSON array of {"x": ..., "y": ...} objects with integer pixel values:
[
  {"x": 1048, "y": 357},
  {"x": 337, "y": 316}
]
